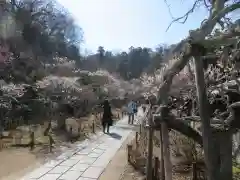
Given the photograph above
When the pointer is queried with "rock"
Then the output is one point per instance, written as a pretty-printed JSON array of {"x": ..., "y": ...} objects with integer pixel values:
[{"x": 72, "y": 126}]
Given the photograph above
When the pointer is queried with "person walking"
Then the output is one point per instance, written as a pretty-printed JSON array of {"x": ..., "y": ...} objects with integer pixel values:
[
  {"x": 107, "y": 120},
  {"x": 135, "y": 107},
  {"x": 132, "y": 109}
]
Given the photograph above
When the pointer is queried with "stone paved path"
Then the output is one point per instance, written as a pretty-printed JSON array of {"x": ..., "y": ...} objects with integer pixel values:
[{"x": 88, "y": 160}]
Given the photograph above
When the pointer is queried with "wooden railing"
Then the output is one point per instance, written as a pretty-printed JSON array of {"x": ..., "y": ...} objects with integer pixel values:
[{"x": 141, "y": 156}]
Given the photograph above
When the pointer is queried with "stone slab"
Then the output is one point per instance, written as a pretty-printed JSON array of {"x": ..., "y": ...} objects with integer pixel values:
[
  {"x": 88, "y": 160},
  {"x": 83, "y": 178},
  {"x": 93, "y": 172},
  {"x": 77, "y": 157},
  {"x": 52, "y": 163},
  {"x": 69, "y": 162},
  {"x": 50, "y": 177},
  {"x": 59, "y": 170},
  {"x": 71, "y": 175},
  {"x": 80, "y": 167}
]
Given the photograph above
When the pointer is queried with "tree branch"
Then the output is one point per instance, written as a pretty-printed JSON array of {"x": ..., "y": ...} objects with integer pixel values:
[
  {"x": 208, "y": 26},
  {"x": 182, "y": 127},
  {"x": 224, "y": 39},
  {"x": 185, "y": 16}
]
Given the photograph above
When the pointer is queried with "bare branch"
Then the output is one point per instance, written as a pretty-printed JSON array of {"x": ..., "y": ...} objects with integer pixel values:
[
  {"x": 206, "y": 5},
  {"x": 185, "y": 16},
  {"x": 169, "y": 10}
]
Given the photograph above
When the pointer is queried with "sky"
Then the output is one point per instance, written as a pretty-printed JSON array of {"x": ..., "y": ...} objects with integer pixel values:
[{"x": 120, "y": 24}]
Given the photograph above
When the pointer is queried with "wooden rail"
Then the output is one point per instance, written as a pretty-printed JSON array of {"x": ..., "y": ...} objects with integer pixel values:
[{"x": 149, "y": 165}]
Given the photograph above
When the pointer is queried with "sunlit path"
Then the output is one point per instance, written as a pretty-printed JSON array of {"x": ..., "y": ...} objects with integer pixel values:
[{"x": 90, "y": 157}]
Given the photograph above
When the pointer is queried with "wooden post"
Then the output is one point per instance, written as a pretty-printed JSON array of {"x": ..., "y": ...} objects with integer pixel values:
[
  {"x": 71, "y": 134},
  {"x": 156, "y": 168},
  {"x": 194, "y": 171},
  {"x": 144, "y": 109},
  {"x": 79, "y": 130},
  {"x": 136, "y": 139},
  {"x": 129, "y": 150},
  {"x": 50, "y": 142},
  {"x": 153, "y": 173},
  {"x": 1, "y": 143},
  {"x": 162, "y": 159},
  {"x": 32, "y": 143},
  {"x": 166, "y": 151},
  {"x": 93, "y": 127},
  {"x": 150, "y": 149}
]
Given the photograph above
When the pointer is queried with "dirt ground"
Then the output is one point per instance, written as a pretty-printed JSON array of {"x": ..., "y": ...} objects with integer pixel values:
[
  {"x": 118, "y": 168},
  {"x": 16, "y": 162}
]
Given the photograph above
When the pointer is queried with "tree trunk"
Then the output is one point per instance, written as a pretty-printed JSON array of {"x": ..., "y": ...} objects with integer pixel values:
[
  {"x": 224, "y": 140},
  {"x": 205, "y": 118}
]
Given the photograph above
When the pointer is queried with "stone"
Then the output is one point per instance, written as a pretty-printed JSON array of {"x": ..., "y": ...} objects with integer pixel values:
[
  {"x": 50, "y": 177},
  {"x": 70, "y": 175},
  {"x": 102, "y": 161},
  {"x": 80, "y": 167},
  {"x": 98, "y": 151},
  {"x": 87, "y": 160},
  {"x": 83, "y": 178},
  {"x": 85, "y": 150},
  {"x": 59, "y": 170},
  {"x": 52, "y": 163},
  {"x": 69, "y": 162},
  {"x": 93, "y": 172},
  {"x": 93, "y": 155},
  {"x": 77, "y": 157}
]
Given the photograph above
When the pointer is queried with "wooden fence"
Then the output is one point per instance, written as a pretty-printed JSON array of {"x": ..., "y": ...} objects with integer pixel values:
[
  {"x": 142, "y": 153},
  {"x": 25, "y": 136}
]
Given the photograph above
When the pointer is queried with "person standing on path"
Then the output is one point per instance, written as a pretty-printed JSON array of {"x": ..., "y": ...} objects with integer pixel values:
[
  {"x": 107, "y": 120},
  {"x": 132, "y": 109}
]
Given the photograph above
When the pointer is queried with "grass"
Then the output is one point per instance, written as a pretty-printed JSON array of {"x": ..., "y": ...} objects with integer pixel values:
[{"x": 236, "y": 170}]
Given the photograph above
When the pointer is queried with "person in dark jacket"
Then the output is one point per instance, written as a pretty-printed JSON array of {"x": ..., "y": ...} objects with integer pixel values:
[{"x": 107, "y": 120}]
